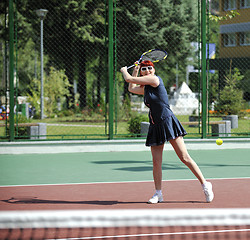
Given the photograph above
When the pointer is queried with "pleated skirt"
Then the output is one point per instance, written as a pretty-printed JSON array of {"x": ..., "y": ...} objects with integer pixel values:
[{"x": 169, "y": 128}]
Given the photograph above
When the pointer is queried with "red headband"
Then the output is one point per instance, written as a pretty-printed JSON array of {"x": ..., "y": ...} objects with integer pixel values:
[{"x": 146, "y": 63}]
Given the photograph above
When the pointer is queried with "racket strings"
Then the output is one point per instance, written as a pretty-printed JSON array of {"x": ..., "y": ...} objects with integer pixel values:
[{"x": 154, "y": 56}]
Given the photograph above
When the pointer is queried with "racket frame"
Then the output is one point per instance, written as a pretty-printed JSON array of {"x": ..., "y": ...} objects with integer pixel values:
[{"x": 151, "y": 50}]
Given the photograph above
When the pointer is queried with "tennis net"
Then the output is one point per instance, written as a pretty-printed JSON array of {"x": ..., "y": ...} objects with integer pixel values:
[{"x": 126, "y": 224}]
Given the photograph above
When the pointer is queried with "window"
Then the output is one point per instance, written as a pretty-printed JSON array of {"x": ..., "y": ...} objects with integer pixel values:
[
  {"x": 229, "y": 40},
  {"x": 245, "y": 39},
  {"x": 245, "y": 3},
  {"x": 230, "y": 4}
]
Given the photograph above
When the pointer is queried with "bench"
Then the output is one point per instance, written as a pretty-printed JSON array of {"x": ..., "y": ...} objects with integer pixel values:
[
  {"x": 219, "y": 128},
  {"x": 35, "y": 130}
]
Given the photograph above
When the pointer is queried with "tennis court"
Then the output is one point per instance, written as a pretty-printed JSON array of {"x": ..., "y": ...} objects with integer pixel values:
[{"x": 118, "y": 175}]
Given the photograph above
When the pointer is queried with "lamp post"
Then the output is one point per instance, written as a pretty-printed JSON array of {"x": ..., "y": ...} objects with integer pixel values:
[{"x": 41, "y": 13}]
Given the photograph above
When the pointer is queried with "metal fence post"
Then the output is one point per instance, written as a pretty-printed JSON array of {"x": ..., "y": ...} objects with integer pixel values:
[
  {"x": 11, "y": 70},
  {"x": 111, "y": 69},
  {"x": 203, "y": 69}
]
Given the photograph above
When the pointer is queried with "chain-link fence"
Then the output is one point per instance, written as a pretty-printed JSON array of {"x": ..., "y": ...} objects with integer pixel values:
[
  {"x": 63, "y": 88},
  {"x": 61, "y": 80},
  {"x": 229, "y": 75}
]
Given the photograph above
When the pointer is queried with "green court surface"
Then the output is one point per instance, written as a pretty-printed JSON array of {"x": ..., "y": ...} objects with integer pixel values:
[{"x": 87, "y": 167}]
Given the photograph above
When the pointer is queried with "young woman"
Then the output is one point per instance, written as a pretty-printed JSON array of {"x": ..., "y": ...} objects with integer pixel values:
[{"x": 164, "y": 126}]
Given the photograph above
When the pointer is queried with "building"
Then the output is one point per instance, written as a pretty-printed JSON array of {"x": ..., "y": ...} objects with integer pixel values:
[
  {"x": 235, "y": 32},
  {"x": 234, "y": 40}
]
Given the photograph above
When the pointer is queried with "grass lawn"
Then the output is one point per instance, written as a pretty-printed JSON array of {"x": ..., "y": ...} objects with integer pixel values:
[{"x": 72, "y": 127}]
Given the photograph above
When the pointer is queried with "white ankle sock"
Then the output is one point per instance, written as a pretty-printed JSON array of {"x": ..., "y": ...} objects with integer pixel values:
[
  {"x": 204, "y": 184},
  {"x": 158, "y": 192}
]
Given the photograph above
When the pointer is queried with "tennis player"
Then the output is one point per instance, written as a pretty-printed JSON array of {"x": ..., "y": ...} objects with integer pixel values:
[{"x": 164, "y": 126}]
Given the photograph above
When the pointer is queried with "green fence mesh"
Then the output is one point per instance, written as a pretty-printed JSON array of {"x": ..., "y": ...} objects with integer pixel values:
[{"x": 65, "y": 54}]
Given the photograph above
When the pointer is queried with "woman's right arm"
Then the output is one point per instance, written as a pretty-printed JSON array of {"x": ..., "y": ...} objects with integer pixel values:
[{"x": 132, "y": 87}]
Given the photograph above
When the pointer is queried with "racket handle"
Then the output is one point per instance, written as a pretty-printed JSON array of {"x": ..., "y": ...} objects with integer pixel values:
[{"x": 130, "y": 66}]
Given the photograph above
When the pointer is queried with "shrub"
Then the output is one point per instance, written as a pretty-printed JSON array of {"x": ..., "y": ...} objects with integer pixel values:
[
  {"x": 134, "y": 124},
  {"x": 20, "y": 132}
]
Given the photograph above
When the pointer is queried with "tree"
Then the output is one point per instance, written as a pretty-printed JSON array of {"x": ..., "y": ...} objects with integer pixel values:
[
  {"x": 25, "y": 52},
  {"x": 231, "y": 97},
  {"x": 71, "y": 29},
  {"x": 75, "y": 37},
  {"x": 56, "y": 88},
  {"x": 163, "y": 24}
]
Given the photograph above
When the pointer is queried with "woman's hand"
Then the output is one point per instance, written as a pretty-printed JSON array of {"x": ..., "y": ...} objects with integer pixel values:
[
  {"x": 124, "y": 69},
  {"x": 137, "y": 66},
  {"x": 125, "y": 74}
]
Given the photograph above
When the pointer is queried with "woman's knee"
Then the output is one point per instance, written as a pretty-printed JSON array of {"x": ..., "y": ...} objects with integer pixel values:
[
  {"x": 185, "y": 158},
  {"x": 157, "y": 162}
]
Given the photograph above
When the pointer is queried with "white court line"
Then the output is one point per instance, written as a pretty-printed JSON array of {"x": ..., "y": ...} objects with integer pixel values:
[
  {"x": 159, "y": 234},
  {"x": 109, "y": 146},
  {"x": 93, "y": 183}
]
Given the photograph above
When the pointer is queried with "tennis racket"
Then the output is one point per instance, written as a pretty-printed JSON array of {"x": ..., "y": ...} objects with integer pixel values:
[{"x": 153, "y": 55}]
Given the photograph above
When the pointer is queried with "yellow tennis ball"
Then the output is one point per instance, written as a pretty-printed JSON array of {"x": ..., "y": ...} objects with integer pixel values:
[{"x": 219, "y": 141}]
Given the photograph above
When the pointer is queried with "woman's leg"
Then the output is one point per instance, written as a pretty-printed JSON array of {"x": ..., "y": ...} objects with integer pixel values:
[
  {"x": 157, "y": 165},
  {"x": 181, "y": 151},
  {"x": 157, "y": 173}
]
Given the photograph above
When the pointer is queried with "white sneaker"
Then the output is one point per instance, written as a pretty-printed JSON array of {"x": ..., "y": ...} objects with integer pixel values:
[
  {"x": 207, "y": 189},
  {"x": 155, "y": 199}
]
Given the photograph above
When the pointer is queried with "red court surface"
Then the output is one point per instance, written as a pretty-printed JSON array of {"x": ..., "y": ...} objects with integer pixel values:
[{"x": 229, "y": 193}]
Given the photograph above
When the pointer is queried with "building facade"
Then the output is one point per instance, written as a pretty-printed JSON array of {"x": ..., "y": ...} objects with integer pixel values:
[{"x": 235, "y": 32}]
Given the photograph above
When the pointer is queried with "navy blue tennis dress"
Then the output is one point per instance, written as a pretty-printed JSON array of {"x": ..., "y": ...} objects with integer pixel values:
[{"x": 164, "y": 125}]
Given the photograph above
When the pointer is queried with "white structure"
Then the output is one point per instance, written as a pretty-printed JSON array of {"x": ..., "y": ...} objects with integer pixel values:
[{"x": 184, "y": 101}]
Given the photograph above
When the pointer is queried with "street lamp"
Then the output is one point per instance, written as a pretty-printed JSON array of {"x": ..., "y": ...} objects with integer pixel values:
[{"x": 41, "y": 13}]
